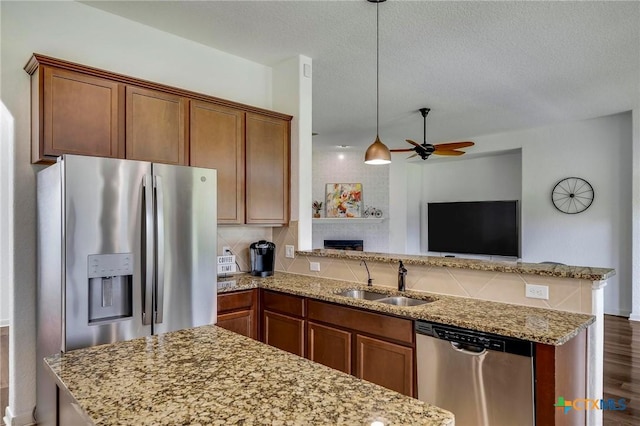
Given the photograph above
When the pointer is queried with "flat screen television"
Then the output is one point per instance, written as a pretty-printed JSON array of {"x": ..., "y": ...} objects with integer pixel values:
[{"x": 474, "y": 227}]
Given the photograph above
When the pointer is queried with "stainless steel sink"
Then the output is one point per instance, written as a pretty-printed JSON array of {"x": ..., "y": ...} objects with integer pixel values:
[
  {"x": 361, "y": 294},
  {"x": 403, "y": 301}
]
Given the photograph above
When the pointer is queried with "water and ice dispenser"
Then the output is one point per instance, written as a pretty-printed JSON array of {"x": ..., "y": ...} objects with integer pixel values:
[{"x": 110, "y": 287}]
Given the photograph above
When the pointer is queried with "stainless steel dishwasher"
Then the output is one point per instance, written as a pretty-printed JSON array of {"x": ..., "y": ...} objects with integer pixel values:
[{"x": 483, "y": 379}]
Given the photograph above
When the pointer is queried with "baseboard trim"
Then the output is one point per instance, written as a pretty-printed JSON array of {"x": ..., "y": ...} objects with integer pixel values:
[
  {"x": 24, "y": 419},
  {"x": 617, "y": 312},
  {"x": 634, "y": 317}
]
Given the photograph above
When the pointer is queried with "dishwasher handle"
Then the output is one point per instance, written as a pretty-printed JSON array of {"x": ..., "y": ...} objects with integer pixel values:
[{"x": 468, "y": 349}]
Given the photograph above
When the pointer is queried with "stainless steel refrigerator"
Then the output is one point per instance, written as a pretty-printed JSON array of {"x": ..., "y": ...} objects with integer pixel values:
[{"x": 125, "y": 249}]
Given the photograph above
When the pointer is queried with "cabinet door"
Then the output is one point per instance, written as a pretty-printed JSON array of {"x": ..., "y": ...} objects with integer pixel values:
[
  {"x": 267, "y": 170},
  {"x": 284, "y": 332},
  {"x": 241, "y": 322},
  {"x": 79, "y": 115},
  {"x": 217, "y": 141},
  {"x": 155, "y": 126},
  {"x": 237, "y": 311},
  {"x": 329, "y": 346},
  {"x": 385, "y": 364}
]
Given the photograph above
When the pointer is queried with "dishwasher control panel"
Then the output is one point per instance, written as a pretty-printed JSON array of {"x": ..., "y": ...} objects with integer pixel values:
[
  {"x": 470, "y": 339},
  {"x": 475, "y": 338}
]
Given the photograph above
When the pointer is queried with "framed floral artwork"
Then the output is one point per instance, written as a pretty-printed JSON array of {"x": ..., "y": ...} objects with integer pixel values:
[{"x": 344, "y": 200}]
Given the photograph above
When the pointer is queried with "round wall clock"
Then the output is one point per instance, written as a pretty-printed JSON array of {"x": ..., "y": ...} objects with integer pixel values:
[{"x": 572, "y": 195}]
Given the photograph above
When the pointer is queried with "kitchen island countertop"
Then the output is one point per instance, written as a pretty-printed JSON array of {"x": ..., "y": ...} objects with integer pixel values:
[
  {"x": 548, "y": 326},
  {"x": 211, "y": 376}
]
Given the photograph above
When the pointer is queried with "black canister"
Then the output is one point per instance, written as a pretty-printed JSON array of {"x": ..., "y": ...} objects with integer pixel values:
[{"x": 263, "y": 258}]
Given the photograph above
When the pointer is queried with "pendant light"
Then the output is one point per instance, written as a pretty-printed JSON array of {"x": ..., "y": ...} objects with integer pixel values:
[{"x": 377, "y": 153}]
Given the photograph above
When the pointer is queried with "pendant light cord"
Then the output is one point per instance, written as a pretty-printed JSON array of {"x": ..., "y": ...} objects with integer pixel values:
[{"x": 377, "y": 69}]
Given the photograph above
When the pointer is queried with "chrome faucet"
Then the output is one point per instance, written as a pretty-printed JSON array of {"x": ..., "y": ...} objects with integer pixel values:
[
  {"x": 369, "y": 279},
  {"x": 402, "y": 273}
]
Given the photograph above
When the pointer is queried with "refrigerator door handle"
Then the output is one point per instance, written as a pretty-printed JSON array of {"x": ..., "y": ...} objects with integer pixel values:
[
  {"x": 148, "y": 243},
  {"x": 159, "y": 189}
]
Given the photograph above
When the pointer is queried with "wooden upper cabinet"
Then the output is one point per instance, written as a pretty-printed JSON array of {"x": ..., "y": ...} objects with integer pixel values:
[
  {"x": 156, "y": 126},
  {"x": 73, "y": 113},
  {"x": 217, "y": 142},
  {"x": 267, "y": 170},
  {"x": 77, "y": 109}
]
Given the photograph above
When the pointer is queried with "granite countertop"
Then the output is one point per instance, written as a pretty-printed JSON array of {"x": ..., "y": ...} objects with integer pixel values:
[
  {"x": 539, "y": 325},
  {"x": 211, "y": 376},
  {"x": 544, "y": 269}
]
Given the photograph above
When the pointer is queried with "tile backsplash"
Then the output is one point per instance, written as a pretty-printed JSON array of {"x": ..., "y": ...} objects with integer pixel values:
[
  {"x": 239, "y": 238},
  {"x": 348, "y": 167}
]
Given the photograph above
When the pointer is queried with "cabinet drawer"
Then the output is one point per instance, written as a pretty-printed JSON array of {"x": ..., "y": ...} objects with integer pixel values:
[
  {"x": 284, "y": 303},
  {"x": 235, "y": 301},
  {"x": 381, "y": 325}
]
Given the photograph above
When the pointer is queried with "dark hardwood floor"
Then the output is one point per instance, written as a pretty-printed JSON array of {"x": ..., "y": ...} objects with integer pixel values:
[{"x": 622, "y": 369}]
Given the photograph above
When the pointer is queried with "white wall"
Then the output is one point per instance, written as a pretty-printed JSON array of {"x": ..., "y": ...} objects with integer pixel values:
[
  {"x": 6, "y": 216},
  {"x": 292, "y": 94},
  {"x": 598, "y": 150},
  {"x": 349, "y": 167},
  {"x": 79, "y": 33},
  {"x": 489, "y": 177}
]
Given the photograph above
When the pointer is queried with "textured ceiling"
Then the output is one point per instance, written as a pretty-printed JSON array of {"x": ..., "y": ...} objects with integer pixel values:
[{"x": 482, "y": 67}]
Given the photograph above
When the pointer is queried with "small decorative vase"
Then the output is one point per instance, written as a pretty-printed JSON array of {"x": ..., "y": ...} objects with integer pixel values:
[{"x": 316, "y": 214}]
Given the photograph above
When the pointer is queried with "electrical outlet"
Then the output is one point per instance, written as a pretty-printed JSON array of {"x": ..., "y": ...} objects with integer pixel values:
[
  {"x": 289, "y": 252},
  {"x": 537, "y": 291},
  {"x": 226, "y": 250},
  {"x": 314, "y": 266}
]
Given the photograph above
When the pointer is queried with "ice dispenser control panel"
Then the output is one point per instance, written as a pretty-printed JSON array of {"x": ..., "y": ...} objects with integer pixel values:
[
  {"x": 110, "y": 279},
  {"x": 108, "y": 265}
]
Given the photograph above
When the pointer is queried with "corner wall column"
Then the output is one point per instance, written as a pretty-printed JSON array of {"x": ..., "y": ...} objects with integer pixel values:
[
  {"x": 595, "y": 352},
  {"x": 635, "y": 216}
]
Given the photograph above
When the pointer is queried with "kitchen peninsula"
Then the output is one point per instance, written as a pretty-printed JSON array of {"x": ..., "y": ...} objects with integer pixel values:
[{"x": 577, "y": 289}]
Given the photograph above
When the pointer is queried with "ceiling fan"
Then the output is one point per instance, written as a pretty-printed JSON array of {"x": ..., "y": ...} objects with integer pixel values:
[{"x": 426, "y": 149}]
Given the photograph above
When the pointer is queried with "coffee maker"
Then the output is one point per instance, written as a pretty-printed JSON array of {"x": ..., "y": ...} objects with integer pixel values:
[{"x": 263, "y": 258}]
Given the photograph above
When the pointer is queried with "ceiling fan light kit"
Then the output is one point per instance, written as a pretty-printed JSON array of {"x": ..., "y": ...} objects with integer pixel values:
[{"x": 377, "y": 153}]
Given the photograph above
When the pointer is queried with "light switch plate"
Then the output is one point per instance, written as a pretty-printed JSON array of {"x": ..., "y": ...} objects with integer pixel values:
[
  {"x": 289, "y": 252},
  {"x": 314, "y": 266}
]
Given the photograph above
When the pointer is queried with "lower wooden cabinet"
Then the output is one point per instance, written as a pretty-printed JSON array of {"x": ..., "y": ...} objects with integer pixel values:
[
  {"x": 380, "y": 348},
  {"x": 237, "y": 312},
  {"x": 329, "y": 346},
  {"x": 386, "y": 364},
  {"x": 241, "y": 322},
  {"x": 284, "y": 332},
  {"x": 375, "y": 347}
]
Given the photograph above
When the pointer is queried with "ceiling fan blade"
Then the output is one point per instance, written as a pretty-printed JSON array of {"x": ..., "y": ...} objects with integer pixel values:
[
  {"x": 411, "y": 156},
  {"x": 452, "y": 145},
  {"x": 402, "y": 150},
  {"x": 412, "y": 142},
  {"x": 448, "y": 152}
]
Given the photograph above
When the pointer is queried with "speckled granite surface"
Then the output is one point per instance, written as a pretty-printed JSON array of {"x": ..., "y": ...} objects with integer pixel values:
[
  {"x": 210, "y": 376},
  {"x": 548, "y": 270},
  {"x": 540, "y": 325}
]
